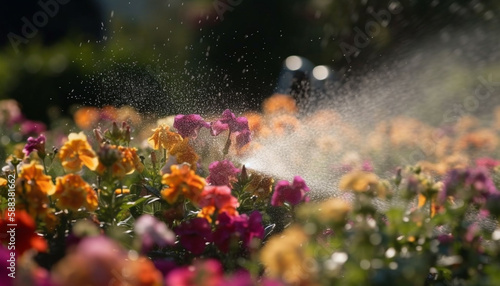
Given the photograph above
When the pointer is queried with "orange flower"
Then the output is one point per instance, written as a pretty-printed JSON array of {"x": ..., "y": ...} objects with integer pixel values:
[
  {"x": 86, "y": 117},
  {"x": 164, "y": 138},
  {"x": 33, "y": 188},
  {"x": 182, "y": 181},
  {"x": 279, "y": 103},
  {"x": 142, "y": 272},
  {"x": 3, "y": 182},
  {"x": 77, "y": 152},
  {"x": 127, "y": 162},
  {"x": 217, "y": 198},
  {"x": 26, "y": 237},
  {"x": 72, "y": 192},
  {"x": 184, "y": 153},
  {"x": 254, "y": 122}
]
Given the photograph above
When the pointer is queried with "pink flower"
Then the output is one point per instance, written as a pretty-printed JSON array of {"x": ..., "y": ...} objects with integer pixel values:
[
  {"x": 222, "y": 173},
  {"x": 367, "y": 166},
  {"x": 228, "y": 121},
  {"x": 208, "y": 273},
  {"x": 32, "y": 127},
  {"x": 233, "y": 229},
  {"x": 292, "y": 194},
  {"x": 487, "y": 162},
  {"x": 194, "y": 234},
  {"x": 220, "y": 198},
  {"x": 153, "y": 232},
  {"x": 37, "y": 144},
  {"x": 189, "y": 125}
]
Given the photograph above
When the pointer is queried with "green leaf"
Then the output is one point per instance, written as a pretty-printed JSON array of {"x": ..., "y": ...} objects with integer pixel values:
[{"x": 152, "y": 190}]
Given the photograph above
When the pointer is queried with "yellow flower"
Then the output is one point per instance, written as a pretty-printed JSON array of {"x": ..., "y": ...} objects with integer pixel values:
[
  {"x": 164, "y": 138},
  {"x": 182, "y": 181},
  {"x": 77, "y": 152},
  {"x": 184, "y": 153},
  {"x": 333, "y": 210},
  {"x": 72, "y": 192},
  {"x": 3, "y": 182},
  {"x": 358, "y": 181},
  {"x": 33, "y": 188},
  {"x": 260, "y": 186},
  {"x": 284, "y": 257},
  {"x": 127, "y": 162}
]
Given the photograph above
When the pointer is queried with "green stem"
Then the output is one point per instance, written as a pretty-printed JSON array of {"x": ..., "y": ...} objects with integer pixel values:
[
  {"x": 44, "y": 166},
  {"x": 226, "y": 147}
]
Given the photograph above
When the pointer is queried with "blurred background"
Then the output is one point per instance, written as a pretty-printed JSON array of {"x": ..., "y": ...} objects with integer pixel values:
[{"x": 167, "y": 57}]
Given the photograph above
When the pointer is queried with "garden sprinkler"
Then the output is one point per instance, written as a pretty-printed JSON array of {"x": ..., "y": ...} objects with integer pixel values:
[
  {"x": 300, "y": 78},
  {"x": 294, "y": 76}
]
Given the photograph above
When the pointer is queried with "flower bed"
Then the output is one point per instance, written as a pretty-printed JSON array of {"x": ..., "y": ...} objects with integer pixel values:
[{"x": 120, "y": 204}]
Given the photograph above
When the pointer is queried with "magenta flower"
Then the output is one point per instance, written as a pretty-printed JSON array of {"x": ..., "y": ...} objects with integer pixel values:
[
  {"x": 231, "y": 229},
  {"x": 474, "y": 183},
  {"x": 5, "y": 264},
  {"x": 209, "y": 273},
  {"x": 153, "y": 232},
  {"x": 189, "y": 125},
  {"x": 367, "y": 166},
  {"x": 243, "y": 138},
  {"x": 228, "y": 121},
  {"x": 222, "y": 173},
  {"x": 194, "y": 234},
  {"x": 487, "y": 163},
  {"x": 292, "y": 194},
  {"x": 32, "y": 127},
  {"x": 37, "y": 144}
]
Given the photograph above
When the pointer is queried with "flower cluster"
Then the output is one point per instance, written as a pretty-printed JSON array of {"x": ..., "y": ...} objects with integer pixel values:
[{"x": 172, "y": 203}]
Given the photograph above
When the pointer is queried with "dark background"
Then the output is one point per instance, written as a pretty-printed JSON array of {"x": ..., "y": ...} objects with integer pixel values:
[{"x": 166, "y": 57}]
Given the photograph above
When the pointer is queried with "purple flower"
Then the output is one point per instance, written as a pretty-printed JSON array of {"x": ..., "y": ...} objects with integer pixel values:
[
  {"x": 292, "y": 194},
  {"x": 222, "y": 173},
  {"x": 194, "y": 234},
  {"x": 235, "y": 228},
  {"x": 153, "y": 232},
  {"x": 37, "y": 144},
  {"x": 189, "y": 125},
  {"x": 228, "y": 121},
  {"x": 243, "y": 138},
  {"x": 474, "y": 183},
  {"x": 32, "y": 127}
]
